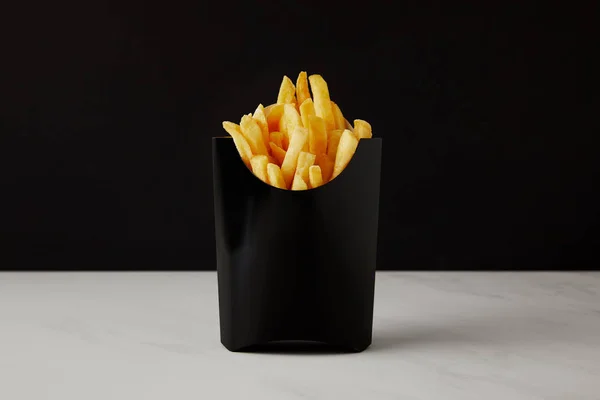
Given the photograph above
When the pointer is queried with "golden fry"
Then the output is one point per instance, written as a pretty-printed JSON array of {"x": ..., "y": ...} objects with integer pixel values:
[
  {"x": 315, "y": 178},
  {"x": 240, "y": 142},
  {"x": 307, "y": 108},
  {"x": 326, "y": 165},
  {"x": 299, "y": 183},
  {"x": 278, "y": 153},
  {"x": 302, "y": 92},
  {"x": 274, "y": 113},
  {"x": 346, "y": 148},
  {"x": 290, "y": 120},
  {"x": 332, "y": 142},
  {"x": 362, "y": 129},
  {"x": 340, "y": 121},
  {"x": 287, "y": 92},
  {"x": 275, "y": 176},
  {"x": 317, "y": 135},
  {"x": 301, "y": 141},
  {"x": 305, "y": 161},
  {"x": 259, "y": 167},
  {"x": 298, "y": 137},
  {"x": 261, "y": 119},
  {"x": 275, "y": 137},
  {"x": 253, "y": 134},
  {"x": 322, "y": 101}
]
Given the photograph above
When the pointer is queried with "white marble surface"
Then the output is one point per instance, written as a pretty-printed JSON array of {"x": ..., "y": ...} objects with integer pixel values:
[{"x": 508, "y": 336}]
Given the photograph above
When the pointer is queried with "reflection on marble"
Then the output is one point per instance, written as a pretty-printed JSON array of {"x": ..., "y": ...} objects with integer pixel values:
[{"x": 508, "y": 336}]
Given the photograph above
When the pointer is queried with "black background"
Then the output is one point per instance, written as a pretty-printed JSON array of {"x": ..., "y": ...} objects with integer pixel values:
[{"x": 107, "y": 110}]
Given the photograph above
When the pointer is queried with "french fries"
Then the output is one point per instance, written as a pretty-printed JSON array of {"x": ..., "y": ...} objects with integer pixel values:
[
  {"x": 302, "y": 92},
  {"x": 300, "y": 142},
  {"x": 322, "y": 101},
  {"x": 240, "y": 141},
  {"x": 332, "y": 143},
  {"x": 346, "y": 148},
  {"x": 259, "y": 167},
  {"x": 261, "y": 119},
  {"x": 315, "y": 176},
  {"x": 362, "y": 129},
  {"x": 287, "y": 92},
  {"x": 253, "y": 135},
  {"x": 278, "y": 153},
  {"x": 317, "y": 135},
  {"x": 288, "y": 167},
  {"x": 275, "y": 177}
]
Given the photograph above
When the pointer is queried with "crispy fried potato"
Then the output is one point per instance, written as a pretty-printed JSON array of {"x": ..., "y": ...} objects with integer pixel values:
[
  {"x": 239, "y": 140},
  {"x": 317, "y": 135},
  {"x": 275, "y": 176},
  {"x": 340, "y": 121},
  {"x": 326, "y": 165},
  {"x": 253, "y": 135},
  {"x": 322, "y": 101},
  {"x": 261, "y": 119},
  {"x": 287, "y": 92},
  {"x": 290, "y": 120},
  {"x": 275, "y": 137},
  {"x": 362, "y": 129},
  {"x": 302, "y": 92},
  {"x": 307, "y": 108},
  {"x": 278, "y": 153},
  {"x": 259, "y": 167},
  {"x": 315, "y": 179},
  {"x": 301, "y": 141},
  {"x": 346, "y": 148},
  {"x": 274, "y": 112},
  {"x": 332, "y": 142},
  {"x": 298, "y": 137},
  {"x": 305, "y": 161},
  {"x": 299, "y": 183}
]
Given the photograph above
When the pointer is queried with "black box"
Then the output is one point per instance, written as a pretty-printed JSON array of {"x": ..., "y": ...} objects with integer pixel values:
[{"x": 296, "y": 265}]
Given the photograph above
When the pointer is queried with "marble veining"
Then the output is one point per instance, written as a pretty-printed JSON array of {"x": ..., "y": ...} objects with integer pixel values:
[{"x": 454, "y": 335}]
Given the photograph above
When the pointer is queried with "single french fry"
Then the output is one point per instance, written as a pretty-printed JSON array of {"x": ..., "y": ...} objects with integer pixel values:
[
  {"x": 287, "y": 92},
  {"x": 340, "y": 121},
  {"x": 307, "y": 108},
  {"x": 305, "y": 161},
  {"x": 275, "y": 137},
  {"x": 322, "y": 101},
  {"x": 278, "y": 153},
  {"x": 259, "y": 167},
  {"x": 298, "y": 137},
  {"x": 333, "y": 140},
  {"x": 326, "y": 165},
  {"x": 274, "y": 112},
  {"x": 346, "y": 148},
  {"x": 253, "y": 135},
  {"x": 269, "y": 108},
  {"x": 317, "y": 135},
  {"x": 315, "y": 178},
  {"x": 275, "y": 176},
  {"x": 302, "y": 92},
  {"x": 290, "y": 120},
  {"x": 261, "y": 119},
  {"x": 362, "y": 129},
  {"x": 239, "y": 140},
  {"x": 299, "y": 183}
]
